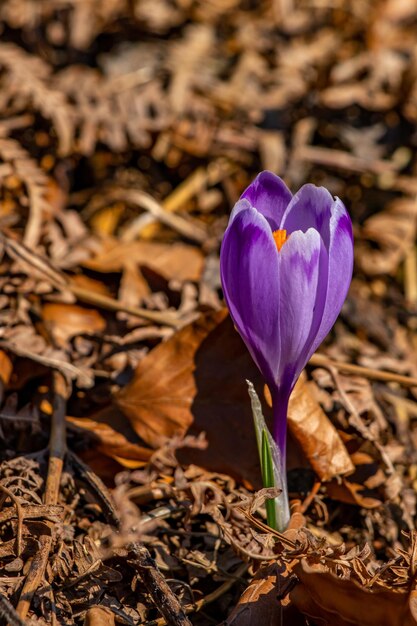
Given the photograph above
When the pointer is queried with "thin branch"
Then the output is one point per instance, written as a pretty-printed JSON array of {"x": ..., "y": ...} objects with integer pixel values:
[
  {"x": 111, "y": 304},
  {"x": 320, "y": 360},
  {"x": 57, "y": 450},
  {"x": 185, "y": 226}
]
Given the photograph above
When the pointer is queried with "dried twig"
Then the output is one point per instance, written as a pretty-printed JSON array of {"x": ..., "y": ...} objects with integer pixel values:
[
  {"x": 159, "y": 590},
  {"x": 320, "y": 360},
  {"x": 344, "y": 160},
  {"x": 67, "y": 369},
  {"x": 105, "y": 302},
  {"x": 185, "y": 226},
  {"x": 196, "y": 182},
  {"x": 57, "y": 450}
]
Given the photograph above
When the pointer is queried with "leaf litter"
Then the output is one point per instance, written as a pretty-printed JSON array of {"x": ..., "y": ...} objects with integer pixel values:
[{"x": 129, "y": 480}]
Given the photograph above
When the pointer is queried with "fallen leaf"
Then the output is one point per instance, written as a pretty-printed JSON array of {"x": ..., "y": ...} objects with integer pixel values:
[
  {"x": 196, "y": 381},
  {"x": 111, "y": 442},
  {"x": 315, "y": 433},
  {"x": 133, "y": 286},
  {"x": 333, "y": 601},
  {"x": 158, "y": 400},
  {"x": 64, "y": 321},
  {"x": 265, "y": 600},
  {"x": 177, "y": 261},
  {"x": 259, "y": 602}
]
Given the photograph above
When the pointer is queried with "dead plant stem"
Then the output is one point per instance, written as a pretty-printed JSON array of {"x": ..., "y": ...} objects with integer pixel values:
[
  {"x": 111, "y": 304},
  {"x": 320, "y": 360},
  {"x": 57, "y": 450}
]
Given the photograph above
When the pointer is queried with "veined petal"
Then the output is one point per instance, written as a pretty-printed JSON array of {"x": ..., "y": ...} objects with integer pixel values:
[
  {"x": 339, "y": 271},
  {"x": 270, "y": 196},
  {"x": 303, "y": 267},
  {"x": 310, "y": 207},
  {"x": 250, "y": 280}
]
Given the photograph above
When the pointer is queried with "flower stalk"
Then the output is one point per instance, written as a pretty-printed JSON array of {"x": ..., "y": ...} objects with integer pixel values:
[{"x": 272, "y": 466}]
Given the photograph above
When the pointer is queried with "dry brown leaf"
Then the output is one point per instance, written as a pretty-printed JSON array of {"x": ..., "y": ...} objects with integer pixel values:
[
  {"x": 316, "y": 434},
  {"x": 133, "y": 286},
  {"x": 159, "y": 398},
  {"x": 196, "y": 380},
  {"x": 64, "y": 321},
  {"x": 173, "y": 261},
  {"x": 259, "y": 604},
  {"x": 332, "y": 601},
  {"x": 112, "y": 443}
]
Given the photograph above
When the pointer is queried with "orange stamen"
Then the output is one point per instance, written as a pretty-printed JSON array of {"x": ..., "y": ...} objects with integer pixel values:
[{"x": 280, "y": 237}]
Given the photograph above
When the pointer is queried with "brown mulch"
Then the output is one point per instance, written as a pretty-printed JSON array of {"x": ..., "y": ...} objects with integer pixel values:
[{"x": 129, "y": 479}]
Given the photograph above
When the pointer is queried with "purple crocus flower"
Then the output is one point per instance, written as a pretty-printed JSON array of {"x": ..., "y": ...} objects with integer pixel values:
[{"x": 286, "y": 265}]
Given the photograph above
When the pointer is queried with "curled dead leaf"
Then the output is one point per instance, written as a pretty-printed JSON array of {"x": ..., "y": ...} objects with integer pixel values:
[
  {"x": 316, "y": 434},
  {"x": 159, "y": 398},
  {"x": 64, "y": 321},
  {"x": 112, "y": 443}
]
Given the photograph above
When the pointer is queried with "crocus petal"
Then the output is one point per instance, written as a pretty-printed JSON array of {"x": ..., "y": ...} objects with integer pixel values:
[
  {"x": 310, "y": 207},
  {"x": 270, "y": 196},
  {"x": 339, "y": 270},
  {"x": 249, "y": 273},
  {"x": 303, "y": 263}
]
